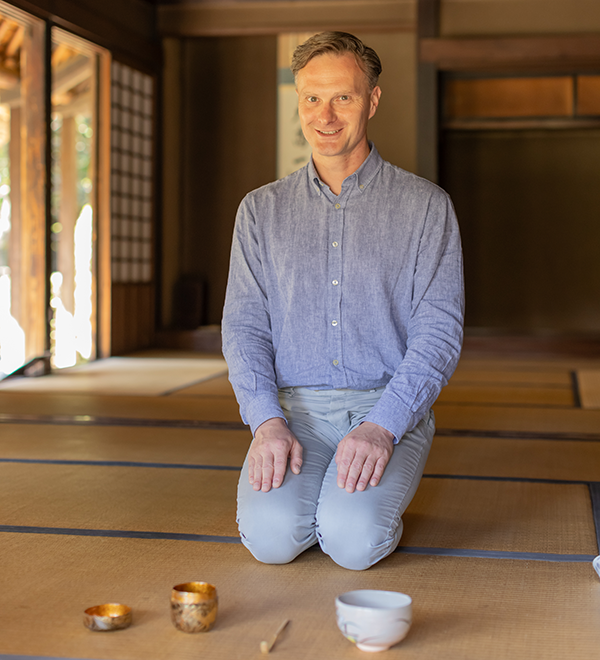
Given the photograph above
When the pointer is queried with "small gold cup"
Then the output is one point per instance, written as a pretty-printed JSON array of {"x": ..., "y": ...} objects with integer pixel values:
[
  {"x": 194, "y": 606},
  {"x": 110, "y": 616}
]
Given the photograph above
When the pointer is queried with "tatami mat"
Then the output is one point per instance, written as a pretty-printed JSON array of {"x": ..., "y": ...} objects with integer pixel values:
[
  {"x": 121, "y": 375},
  {"x": 175, "y": 501},
  {"x": 164, "y": 488},
  {"x": 446, "y": 513},
  {"x": 217, "y": 386},
  {"x": 486, "y": 372},
  {"x": 517, "y": 395},
  {"x": 516, "y": 418},
  {"x": 589, "y": 388},
  {"x": 215, "y": 409},
  {"x": 463, "y": 608},
  {"x": 505, "y": 516},
  {"x": 120, "y": 443},
  {"x": 515, "y": 457}
]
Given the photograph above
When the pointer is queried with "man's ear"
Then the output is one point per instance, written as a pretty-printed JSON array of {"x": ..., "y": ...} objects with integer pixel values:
[{"x": 374, "y": 100}]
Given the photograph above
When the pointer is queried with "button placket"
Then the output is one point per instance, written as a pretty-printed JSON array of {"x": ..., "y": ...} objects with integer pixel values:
[{"x": 335, "y": 294}]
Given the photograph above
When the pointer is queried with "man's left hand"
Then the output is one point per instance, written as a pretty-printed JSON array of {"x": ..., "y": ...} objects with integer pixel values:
[{"x": 362, "y": 455}]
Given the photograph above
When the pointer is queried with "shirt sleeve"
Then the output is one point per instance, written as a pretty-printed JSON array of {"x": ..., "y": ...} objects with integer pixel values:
[
  {"x": 246, "y": 326},
  {"x": 435, "y": 328}
]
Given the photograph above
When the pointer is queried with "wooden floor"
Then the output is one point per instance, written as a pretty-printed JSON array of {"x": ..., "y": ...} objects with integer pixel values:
[{"x": 118, "y": 481}]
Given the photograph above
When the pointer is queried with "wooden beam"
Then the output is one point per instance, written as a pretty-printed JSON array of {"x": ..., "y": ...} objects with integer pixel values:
[
  {"x": 427, "y": 94},
  {"x": 33, "y": 192},
  {"x": 556, "y": 53},
  {"x": 221, "y": 19},
  {"x": 103, "y": 212}
]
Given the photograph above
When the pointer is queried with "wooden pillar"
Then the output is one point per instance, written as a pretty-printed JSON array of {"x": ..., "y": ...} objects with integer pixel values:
[
  {"x": 102, "y": 224},
  {"x": 14, "y": 250},
  {"x": 69, "y": 209},
  {"x": 33, "y": 190},
  {"x": 427, "y": 94}
]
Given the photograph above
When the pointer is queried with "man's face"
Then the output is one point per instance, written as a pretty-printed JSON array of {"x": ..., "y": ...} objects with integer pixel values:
[{"x": 335, "y": 105}]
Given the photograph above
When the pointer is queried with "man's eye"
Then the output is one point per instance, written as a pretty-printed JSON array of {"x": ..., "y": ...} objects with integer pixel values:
[
  {"x": 344, "y": 97},
  {"x": 312, "y": 99}
]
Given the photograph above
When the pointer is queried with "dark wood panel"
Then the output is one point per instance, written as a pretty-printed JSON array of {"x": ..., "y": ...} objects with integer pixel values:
[
  {"x": 518, "y": 53},
  {"x": 550, "y": 96},
  {"x": 132, "y": 317}
]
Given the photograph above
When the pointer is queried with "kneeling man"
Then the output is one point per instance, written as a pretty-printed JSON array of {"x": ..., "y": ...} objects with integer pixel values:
[{"x": 342, "y": 322}]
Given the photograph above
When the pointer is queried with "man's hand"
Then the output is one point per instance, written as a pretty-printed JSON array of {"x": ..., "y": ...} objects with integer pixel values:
[
  {"x": 268, "y": 455},
  {"x": 362, "y": 455}
]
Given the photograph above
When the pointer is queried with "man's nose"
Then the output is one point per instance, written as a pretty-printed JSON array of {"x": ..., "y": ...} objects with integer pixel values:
[{"x": 327, "y": 114}]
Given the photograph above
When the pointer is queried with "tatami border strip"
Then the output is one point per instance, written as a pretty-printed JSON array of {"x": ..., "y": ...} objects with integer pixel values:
[
  {"x": 3, "y": 656},
  {"x": 495, "y": 554},
  {"x": 119, "y": 534},
  {"x": 207, "y": 538},
  {"x": 517, "y": 435},
  {"x": 235, "y": 468},
  {"x": 576, "y": 390},
  {"x": 103, "y": 420},
  {"x": 140, "y": 464}
]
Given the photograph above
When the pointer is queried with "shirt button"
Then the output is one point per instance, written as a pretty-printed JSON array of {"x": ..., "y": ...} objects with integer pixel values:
[
  {"x": 335, "y": 244},
  {"x": 335, "y": 363},
  {"x": 338, "y": 206},
  {"x": 361, "y": 186},
  {"x": 334, "y": 323},
  {"x": 335, "y": 282}
]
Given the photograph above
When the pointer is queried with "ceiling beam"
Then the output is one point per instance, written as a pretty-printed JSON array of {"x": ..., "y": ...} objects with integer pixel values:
[{"x": 229, "y": 19}]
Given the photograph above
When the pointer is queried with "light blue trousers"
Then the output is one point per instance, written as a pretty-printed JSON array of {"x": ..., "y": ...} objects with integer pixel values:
[{"x": 355, "y": 529}]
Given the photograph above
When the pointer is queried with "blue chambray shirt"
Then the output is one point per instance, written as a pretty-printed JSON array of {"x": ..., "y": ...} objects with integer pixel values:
[{"x": 355, "y": 291}]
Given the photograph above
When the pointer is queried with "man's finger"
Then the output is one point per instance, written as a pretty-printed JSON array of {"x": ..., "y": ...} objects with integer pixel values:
[
  {"x": 251, "y": 470},
  {"x": 267, "y": 477},
  {"x": 279, "y": 471},
  {"x": 366, "y": 473},
  {"x": 344, "y": 461},
  {"x": 296, "y": 458},
  {"x": 354, "y": 473},
  {"x": 378, "y": 471}
]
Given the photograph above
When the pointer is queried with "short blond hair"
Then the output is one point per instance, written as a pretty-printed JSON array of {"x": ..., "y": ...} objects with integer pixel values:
[{"x": 338, "y": 43}]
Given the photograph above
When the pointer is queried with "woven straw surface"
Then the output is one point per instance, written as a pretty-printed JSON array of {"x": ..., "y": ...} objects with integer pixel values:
[
  {"x": 121, "y": 375},
  {"x": 589, "y": 387},
  {"x": 121, "y": 443},
  {"x": 463, "y": 608},
  {"x": 515, "y": 457}
]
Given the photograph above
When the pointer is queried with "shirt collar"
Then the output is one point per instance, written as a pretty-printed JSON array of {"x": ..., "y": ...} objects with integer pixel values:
[{"x": 362, "y": 176}]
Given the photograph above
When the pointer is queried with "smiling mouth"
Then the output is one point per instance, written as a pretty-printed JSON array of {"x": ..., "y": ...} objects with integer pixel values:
[{"x": 329, "y": 132}]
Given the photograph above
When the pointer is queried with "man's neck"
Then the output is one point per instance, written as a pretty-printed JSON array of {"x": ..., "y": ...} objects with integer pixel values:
[{"x": 333, "y": 170}]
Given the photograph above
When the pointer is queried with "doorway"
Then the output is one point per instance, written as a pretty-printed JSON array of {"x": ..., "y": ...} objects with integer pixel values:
[{"x": 49, "y": 163}]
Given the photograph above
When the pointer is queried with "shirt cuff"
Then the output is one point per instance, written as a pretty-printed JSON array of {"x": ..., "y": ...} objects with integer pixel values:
[
  {"x": 260, "y": 409},
  {"x": 392, "y": 416}
]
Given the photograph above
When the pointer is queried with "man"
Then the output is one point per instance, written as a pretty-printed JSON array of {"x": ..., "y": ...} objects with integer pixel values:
[{"x": 342, "y": 322}]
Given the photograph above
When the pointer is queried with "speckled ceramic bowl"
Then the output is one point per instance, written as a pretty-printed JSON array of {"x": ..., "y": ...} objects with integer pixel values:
[
  {"x": 374, "y": 620},
  {"x": 110, "y": 616}
]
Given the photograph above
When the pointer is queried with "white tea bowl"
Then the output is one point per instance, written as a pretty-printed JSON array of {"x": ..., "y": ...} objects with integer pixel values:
[{"x": 374, "y": 620}]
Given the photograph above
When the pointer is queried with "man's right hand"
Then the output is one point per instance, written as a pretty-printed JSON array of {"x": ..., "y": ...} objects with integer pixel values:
[{"x": 268, "y": 455}]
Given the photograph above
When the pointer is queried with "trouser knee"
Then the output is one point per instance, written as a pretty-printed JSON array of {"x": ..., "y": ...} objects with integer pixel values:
[
  {"x": 272, "y": 541},
  {"x": 358, "y": 546}
]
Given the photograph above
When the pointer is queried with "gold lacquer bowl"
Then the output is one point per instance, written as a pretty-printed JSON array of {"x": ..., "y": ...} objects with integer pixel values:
[
  {"x": 194, "y": 606},
  {"x": 110, "y": 616}
]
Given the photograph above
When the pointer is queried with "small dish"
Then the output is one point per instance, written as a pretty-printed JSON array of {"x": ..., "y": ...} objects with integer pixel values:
[{"x": 110, "y": 616}]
